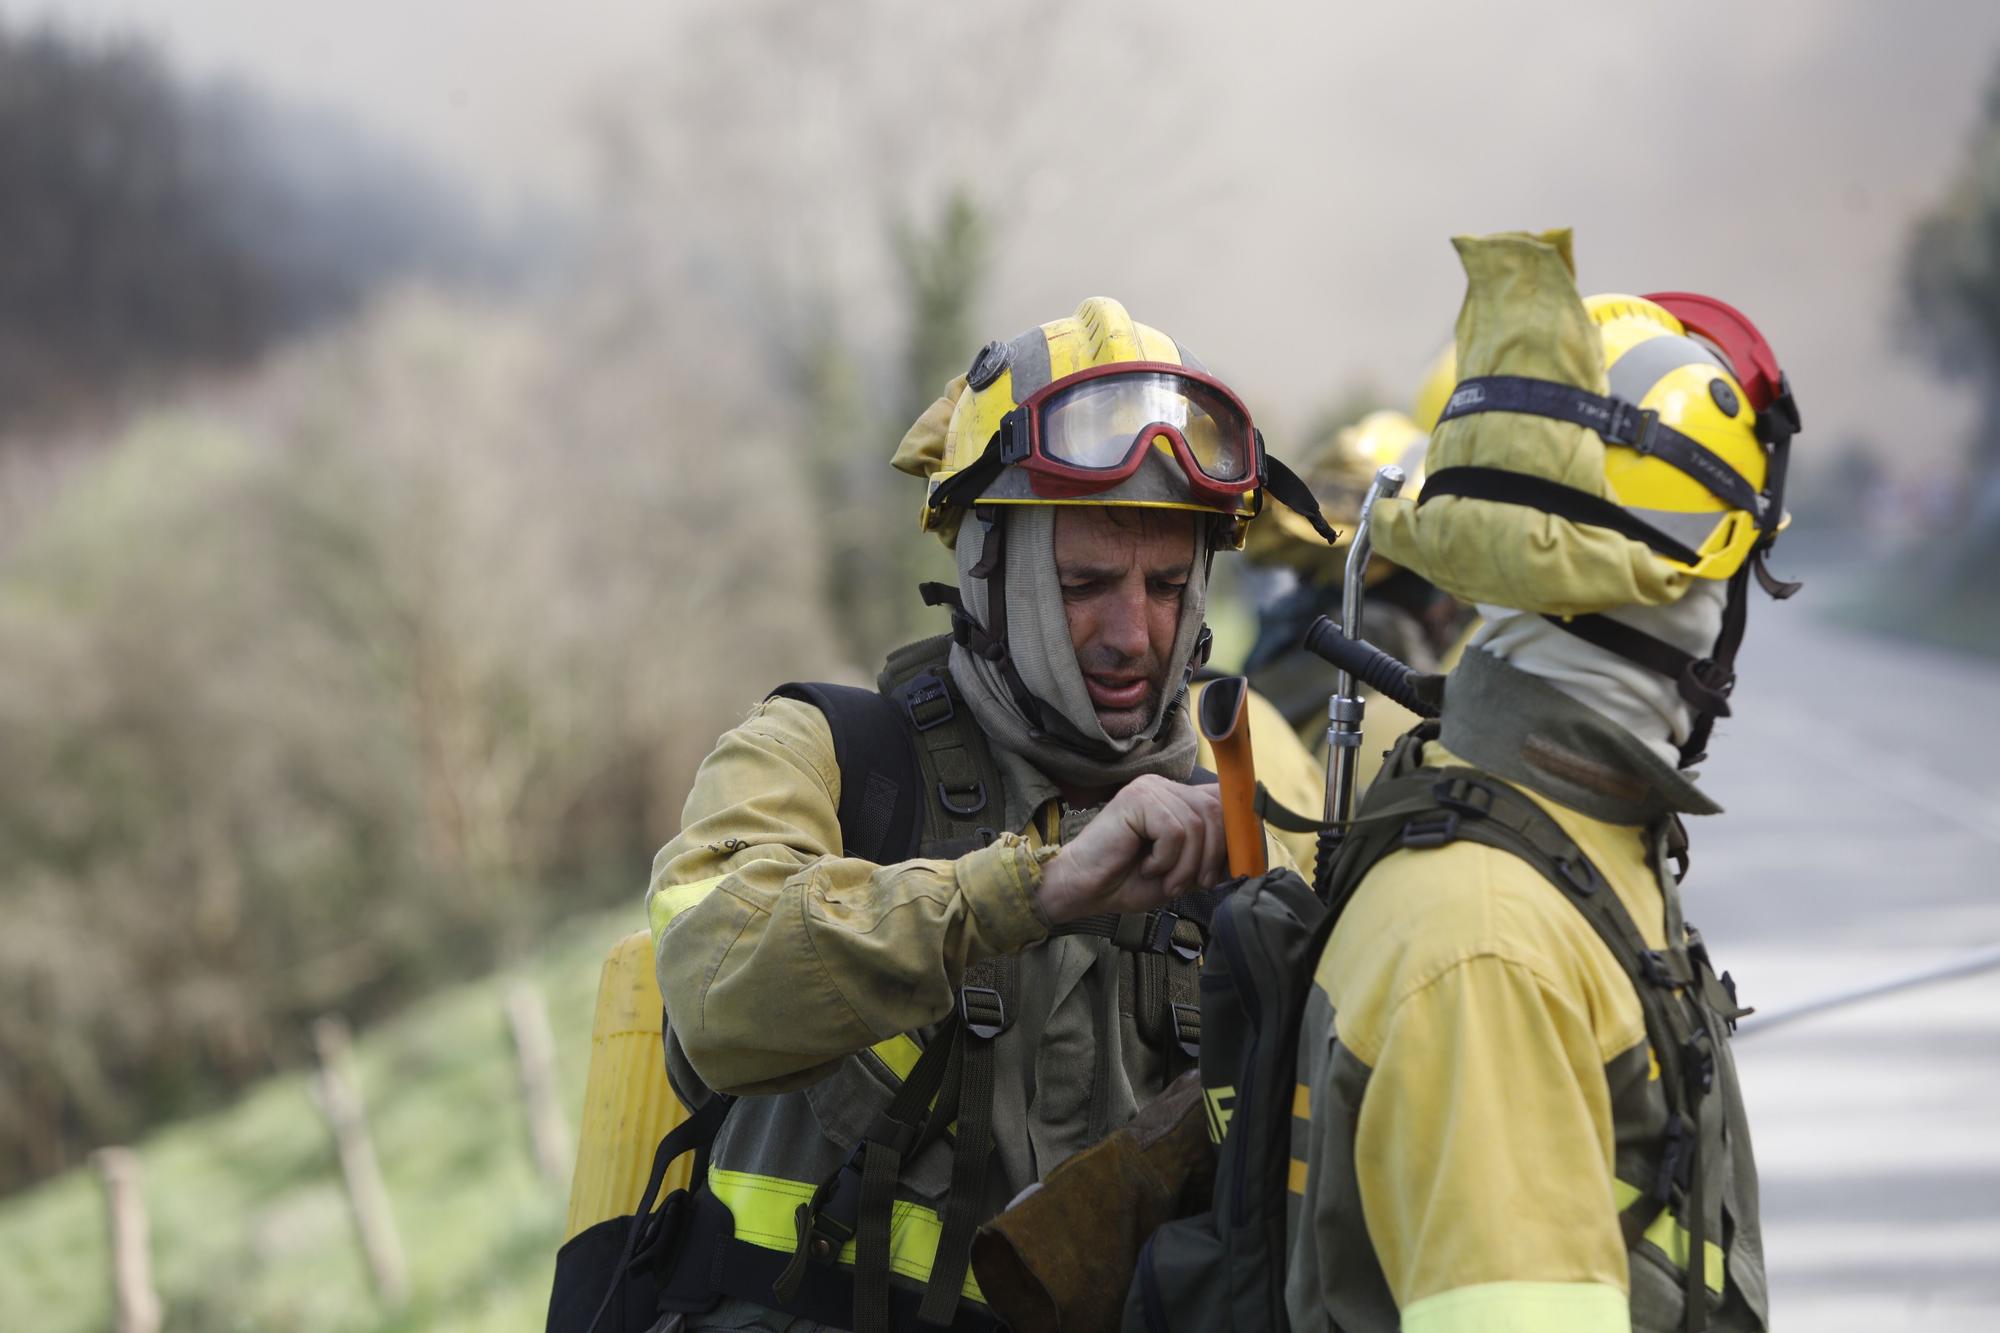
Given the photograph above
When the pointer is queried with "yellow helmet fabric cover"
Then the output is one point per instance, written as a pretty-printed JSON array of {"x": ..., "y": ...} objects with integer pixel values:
[
  {"x": 1523, "y": 317},
  {"x": 953, "y": 433}
]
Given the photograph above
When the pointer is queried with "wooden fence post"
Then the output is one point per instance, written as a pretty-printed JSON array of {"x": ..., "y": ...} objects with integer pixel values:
[
  {"x": 136, "y": 1303},
  {"x": 534, "y": 1048},
  {"x": 339, "y": 1098}
]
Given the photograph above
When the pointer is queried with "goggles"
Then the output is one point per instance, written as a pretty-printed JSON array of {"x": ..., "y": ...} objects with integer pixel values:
[{"x": 1090, "y": 431}]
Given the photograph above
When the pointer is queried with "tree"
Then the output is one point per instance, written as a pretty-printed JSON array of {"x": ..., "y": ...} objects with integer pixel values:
[
  {"x": 1951, "y": 278},
  {"x": 1951, "y": 282}
]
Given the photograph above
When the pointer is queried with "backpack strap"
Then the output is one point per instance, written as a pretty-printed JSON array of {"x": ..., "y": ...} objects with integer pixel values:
[
  {"x": 963, "y": 792},
  {"x": 879, "y": 812}
]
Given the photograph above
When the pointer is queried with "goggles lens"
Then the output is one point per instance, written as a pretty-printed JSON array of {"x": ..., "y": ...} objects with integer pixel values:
[{"x": 1096, "y": 424}]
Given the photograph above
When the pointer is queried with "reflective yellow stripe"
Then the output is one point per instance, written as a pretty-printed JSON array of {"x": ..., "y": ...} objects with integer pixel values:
[
  {"x": 1522, "y": 1307},
  {"x": 764, "y": 1207},
  {"x": 1672, "y": 1238},
  {"x": 670, "y": 900},
  {"x": 1302, "y": 1102},
  {"x": 1295, "y": 1179},
  {"x": 900, "y": 1053}
]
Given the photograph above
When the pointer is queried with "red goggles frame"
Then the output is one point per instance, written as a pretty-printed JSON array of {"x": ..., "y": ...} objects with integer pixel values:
[{"x": 1021, "y": 441}]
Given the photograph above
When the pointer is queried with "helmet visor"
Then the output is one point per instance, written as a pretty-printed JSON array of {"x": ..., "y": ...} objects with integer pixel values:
[{"x": 1102, "y": 424}]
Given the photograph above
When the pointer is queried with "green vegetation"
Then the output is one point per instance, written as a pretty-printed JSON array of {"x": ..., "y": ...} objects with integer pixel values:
[
  {"x": 250, "y": 1225},
  {"x": 325, "y": 697}
]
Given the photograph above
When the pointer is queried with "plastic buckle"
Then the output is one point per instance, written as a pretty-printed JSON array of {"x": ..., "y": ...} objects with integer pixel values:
[
  {"x": 1675, "y": 1160},
  {"x": 984, "y": 1012},
  {"x": 922, "y": 692},
  {"x": 1700, "y": 1054},
  {"x": 1649, "y": 427},
  {"x": 973, "y": 804},
  {"x": 1632, "y": 426},
  {"x": 1433, "y": 830},
  {"x": 1187, "y": 1028},
  {"x": 1467, "y": 797},
  {"x": 1160, "y": 932},
  {"x": 1013, "y": 435},
  {"x": 1188, "y": 951},
  {"x": 1653, "y": 967},
  {"x": 1576, "y": 874}
]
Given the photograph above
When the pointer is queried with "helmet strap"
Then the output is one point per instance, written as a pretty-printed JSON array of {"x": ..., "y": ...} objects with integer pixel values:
[
  {"x": 1705, "y": 683},
  {"x": 1286, "y": 487},
  {"x": 1616, "y": 422},
  {"x": 987, "y": 641}
]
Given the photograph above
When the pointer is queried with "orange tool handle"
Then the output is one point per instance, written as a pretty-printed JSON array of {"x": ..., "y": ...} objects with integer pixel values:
[{"x": 1225, "y": 723}]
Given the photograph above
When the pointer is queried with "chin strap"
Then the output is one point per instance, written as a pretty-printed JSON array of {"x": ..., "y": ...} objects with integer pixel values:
[
  {"x": 1288, "y": 489},
  {"x": 1705, "y": 683}
]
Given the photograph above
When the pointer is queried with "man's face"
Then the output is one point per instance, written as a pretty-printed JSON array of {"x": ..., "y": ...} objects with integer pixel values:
[{"x": 1122, "y": 574}]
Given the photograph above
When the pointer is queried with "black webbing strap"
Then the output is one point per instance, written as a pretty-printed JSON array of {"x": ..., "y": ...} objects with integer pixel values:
[
  {"x": 1278, "y": 815},
  {"x": 857, "y": 1201},
  {"x": 1615, "y": 421},
  {"x": 1552, "y": 497},
  {"x": 1136, "y": 932},
  {"x": 879, "y": 787},
  {"x": 1735, "y": 618},
  {"x": 986, "y": 1004},
  {"x": 964, "y": 487},
  {"x": 1702, "y": 681},
  {"x": 711, "y": 1263},
  {"x": 693, "y": 1134},
  {"x": 1286, "y": 487}
]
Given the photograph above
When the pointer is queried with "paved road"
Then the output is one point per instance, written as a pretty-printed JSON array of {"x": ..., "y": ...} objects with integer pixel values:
[{"x": 1862, "y": 840}]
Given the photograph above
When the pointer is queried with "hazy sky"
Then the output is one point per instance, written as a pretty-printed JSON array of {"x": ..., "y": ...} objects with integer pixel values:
[{"x": 1770, "y": 152}]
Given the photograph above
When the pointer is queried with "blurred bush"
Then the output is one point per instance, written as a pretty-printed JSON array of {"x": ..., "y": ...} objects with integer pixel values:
[
  {"x": 1943, "y": 589},
  {"x": 350, "y": 683},
  {"x": 349, "y": 673}
]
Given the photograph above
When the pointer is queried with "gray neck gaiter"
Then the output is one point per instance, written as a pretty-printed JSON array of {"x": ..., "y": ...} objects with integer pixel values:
[
  {"x": 1063, "y": 738},
  {"x": 1641, "y": 701}
]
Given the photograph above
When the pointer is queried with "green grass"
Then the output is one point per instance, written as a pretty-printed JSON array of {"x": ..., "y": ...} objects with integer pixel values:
[{"x": 250, "y": 1227}]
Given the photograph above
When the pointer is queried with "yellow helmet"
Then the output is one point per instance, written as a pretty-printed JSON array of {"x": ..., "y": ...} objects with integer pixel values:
[
  {"x": 1339, "y": 472},
  {"x": 1095, "y": 409},
  {"x": 1630, "y": 445},
  {"x": 1601, "y": 454},
  {"x": 1652, "y": 363}
]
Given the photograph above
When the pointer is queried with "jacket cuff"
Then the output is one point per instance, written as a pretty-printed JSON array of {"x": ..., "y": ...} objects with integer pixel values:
[{"x": 999, "y": 882}]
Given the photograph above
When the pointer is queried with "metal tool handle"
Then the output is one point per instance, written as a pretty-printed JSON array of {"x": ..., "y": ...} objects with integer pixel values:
[
  {"x": 1344, "y": 710},
  {"x": 1391, "y": 678}
]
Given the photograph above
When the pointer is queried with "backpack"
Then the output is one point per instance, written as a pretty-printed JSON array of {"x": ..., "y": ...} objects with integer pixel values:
[{"x": 1216, "y": 1270}]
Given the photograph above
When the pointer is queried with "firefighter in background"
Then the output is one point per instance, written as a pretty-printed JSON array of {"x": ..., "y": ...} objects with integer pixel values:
[{"x": 1299, "y": 579}]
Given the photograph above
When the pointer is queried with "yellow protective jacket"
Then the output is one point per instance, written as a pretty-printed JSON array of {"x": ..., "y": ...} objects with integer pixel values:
[
  {"x": 1478, "y": 1100},
  {"x": 808, "y": 981}
]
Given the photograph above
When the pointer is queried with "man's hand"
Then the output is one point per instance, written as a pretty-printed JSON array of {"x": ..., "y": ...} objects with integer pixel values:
[{"x": 1156, "y": 840}]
